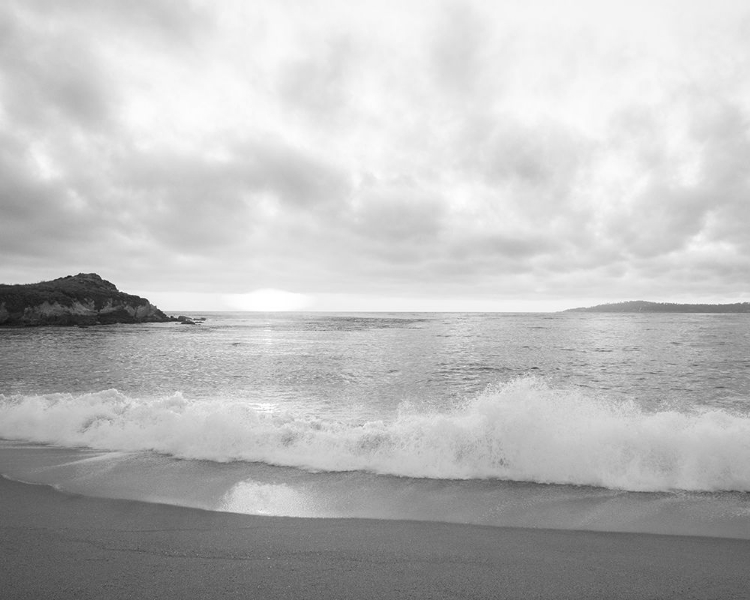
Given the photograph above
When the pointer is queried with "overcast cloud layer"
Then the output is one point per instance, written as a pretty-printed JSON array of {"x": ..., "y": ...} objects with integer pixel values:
[{"x": 378, "y": 155}]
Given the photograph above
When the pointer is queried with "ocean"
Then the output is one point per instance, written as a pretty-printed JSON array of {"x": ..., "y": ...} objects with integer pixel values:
[{"x": 610, "y": 422}]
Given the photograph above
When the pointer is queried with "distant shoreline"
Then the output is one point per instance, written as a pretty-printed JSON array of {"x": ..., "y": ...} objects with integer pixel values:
[{"x": 637, "y": 306}]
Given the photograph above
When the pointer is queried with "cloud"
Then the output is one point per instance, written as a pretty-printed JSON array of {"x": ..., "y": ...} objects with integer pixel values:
[
  {"x": 316, "y": 81},
  {"x": 48, "y": 78},
  {"x": 534, "y": 150},
  {"x": 456, "y": 53},
  {"x": 268, "y": 300}
]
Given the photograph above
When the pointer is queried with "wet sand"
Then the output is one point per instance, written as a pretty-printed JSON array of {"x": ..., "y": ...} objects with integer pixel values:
[{"x": 55, "y": 545}]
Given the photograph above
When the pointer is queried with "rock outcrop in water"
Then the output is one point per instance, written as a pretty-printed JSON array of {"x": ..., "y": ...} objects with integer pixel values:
[
  {"x": 83, "y": 299},
  {"x": 665, "y": 307}
]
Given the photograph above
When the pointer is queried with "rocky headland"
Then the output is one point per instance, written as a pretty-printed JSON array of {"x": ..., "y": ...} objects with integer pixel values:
[
  {"x": 83, "y": 299},
  {"x": 634, "y": 306}
]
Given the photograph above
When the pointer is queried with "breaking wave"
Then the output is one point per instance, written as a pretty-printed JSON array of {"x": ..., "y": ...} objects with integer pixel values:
[{"x": 524, "y": 430}]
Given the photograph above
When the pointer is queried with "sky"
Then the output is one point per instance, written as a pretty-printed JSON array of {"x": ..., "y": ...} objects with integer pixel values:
[{"x": 348, "y": 155}]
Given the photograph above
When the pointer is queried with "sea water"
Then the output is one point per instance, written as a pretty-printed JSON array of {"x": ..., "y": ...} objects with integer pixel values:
[{"x": 622, "y": 422}]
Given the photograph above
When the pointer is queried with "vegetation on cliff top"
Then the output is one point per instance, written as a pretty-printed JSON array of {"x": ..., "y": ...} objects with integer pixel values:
[
  {"x": 84, "y": 287},
  {"x": 665, "y": 307}
]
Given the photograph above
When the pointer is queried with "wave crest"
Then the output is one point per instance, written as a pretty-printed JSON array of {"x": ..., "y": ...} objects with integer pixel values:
[{"x": 524, "y": 430}]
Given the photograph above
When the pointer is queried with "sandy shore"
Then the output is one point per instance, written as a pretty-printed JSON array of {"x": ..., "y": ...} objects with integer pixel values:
[{"x": 61, "y": 546}]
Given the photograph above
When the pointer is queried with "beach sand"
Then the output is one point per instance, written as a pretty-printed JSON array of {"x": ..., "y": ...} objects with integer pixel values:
[{"x": 56, "y": 545}]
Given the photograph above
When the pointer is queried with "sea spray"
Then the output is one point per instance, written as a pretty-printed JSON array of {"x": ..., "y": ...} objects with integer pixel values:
[{"x": 522, "y": 430}]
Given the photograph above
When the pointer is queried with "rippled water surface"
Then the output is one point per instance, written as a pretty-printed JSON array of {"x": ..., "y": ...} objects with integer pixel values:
[{"x": 378, "y": 361}]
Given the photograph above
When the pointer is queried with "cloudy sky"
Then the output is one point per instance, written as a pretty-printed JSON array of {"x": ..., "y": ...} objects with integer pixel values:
[{"x": 390, "y": 155}]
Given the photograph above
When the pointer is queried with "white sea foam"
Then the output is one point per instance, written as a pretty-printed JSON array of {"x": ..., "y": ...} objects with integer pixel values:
[{"x": 524, "y": 430}]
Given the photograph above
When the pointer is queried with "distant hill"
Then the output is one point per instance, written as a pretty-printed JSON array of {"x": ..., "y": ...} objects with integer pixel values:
[
  {"x": 634, "y": 306},
  {"x": 83, "y": 299}
]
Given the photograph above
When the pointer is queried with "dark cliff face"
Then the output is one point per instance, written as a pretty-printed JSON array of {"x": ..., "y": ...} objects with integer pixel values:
[{"x": 83, "y": 299}]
